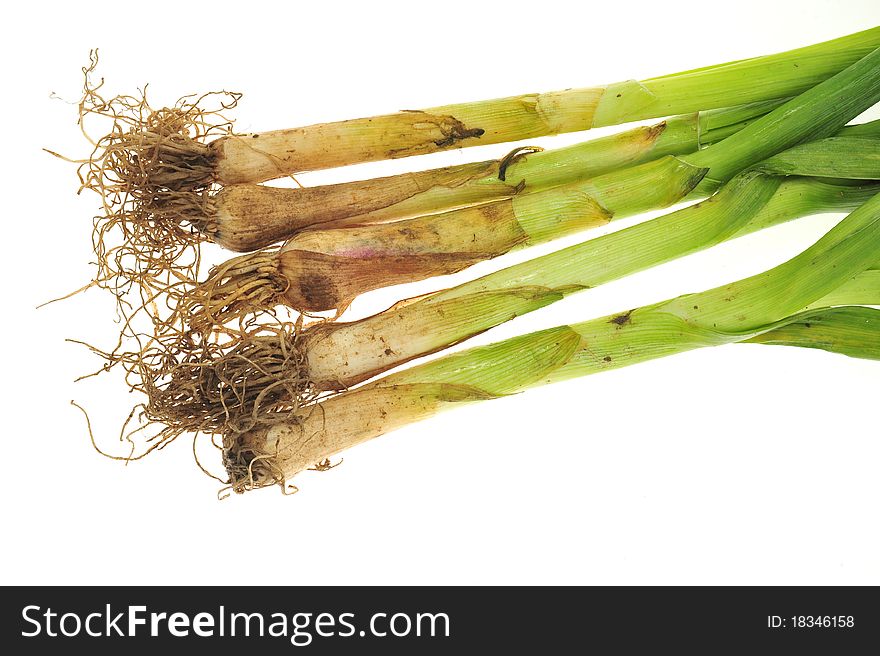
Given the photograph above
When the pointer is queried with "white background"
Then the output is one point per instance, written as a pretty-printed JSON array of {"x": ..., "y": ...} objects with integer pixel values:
[{"x": 742, "y": 464}]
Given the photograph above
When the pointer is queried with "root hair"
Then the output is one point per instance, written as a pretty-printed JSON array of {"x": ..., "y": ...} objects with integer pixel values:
[
  {"x": 154, "y": 173},
  {"x": 240, "y": 291},
  {"x": 217, "y": 387}
]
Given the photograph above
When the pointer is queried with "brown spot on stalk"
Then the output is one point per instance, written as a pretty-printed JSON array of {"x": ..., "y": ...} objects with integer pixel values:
[
  {"x": 316, "y": 289},
  {"x": 451, "y": 131},
  {"x": 454, "y": 131},
  {"x": 621, "y": 319},
  {"x": 653, "y": 132},
  {"x": 319, "y": 282}
]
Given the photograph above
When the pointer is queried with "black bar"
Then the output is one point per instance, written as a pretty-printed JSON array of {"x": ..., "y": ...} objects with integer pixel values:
[{"x": 681, "y": 619}]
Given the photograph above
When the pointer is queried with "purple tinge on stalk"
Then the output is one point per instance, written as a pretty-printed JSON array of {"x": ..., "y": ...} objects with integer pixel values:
[{"x": 323, "y": 270}]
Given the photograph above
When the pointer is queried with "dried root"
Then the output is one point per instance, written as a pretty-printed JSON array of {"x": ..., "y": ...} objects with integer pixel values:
[
  {"x": 154, "y": 172},
  {"x": 216, "y": 387},
  {"x": 241, "y": 290},
  {"x": 250, "y": 467}
]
